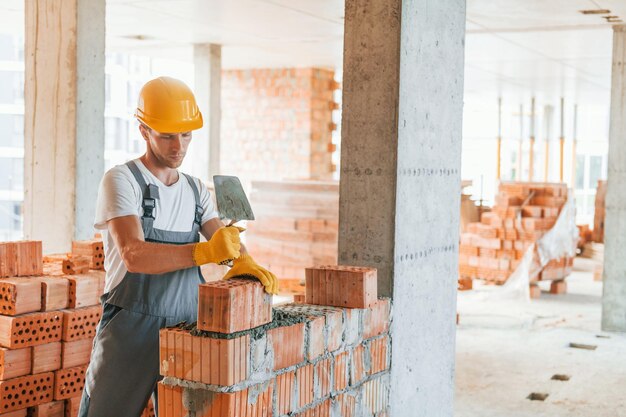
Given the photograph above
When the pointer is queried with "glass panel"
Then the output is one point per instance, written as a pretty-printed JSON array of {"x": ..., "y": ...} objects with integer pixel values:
[
  {"x": 595, "y": 171},
  {"x": 580, "y": 172}
]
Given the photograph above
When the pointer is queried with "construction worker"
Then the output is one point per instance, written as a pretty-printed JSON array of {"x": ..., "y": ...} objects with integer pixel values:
[{"x": 151, "y": 216}]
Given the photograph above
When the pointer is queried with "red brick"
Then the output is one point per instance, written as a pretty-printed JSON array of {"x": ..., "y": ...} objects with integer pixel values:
[
  {"x": 76, "y": 353},
  {"x": 346, "y": 405},
  {"x": 288, "y": 345},
  {"x": 323, "y": 377},
  {"x": 333, "y": 317},
  {"x": 341, "y": 371},
  {"x": 75, "y": 264},
  {"x": 315, "y": 330},
  {"x": 341, "y": 286},
  {"x": 358, "y": 368},
  {"x": 320, "y": 410},
  {"x": 29, "y": 258},
  {"x": 19, "y": 296},
  {"x": 299, "y": 298},
  {"x": 305, "y": 383},
  {"x": 233, "y": 305},
  {"x": 30, "y": 329},
  {"x": 47, "y": 357},
  {"x": 55, "y": 293},
  {"x": 558, "y": 287},
  {"x": 376, "y": 395},
  {"x": 15, "y": 362},
  {"x": 84, "y": 289},
  {"x": 204, "y": 359},
  {"x": 284, "y": 386},
  {"x": 93, "y": 249},
  {"x": 240, "y": 403},
  {"x": 72, "y": 405},
  {"x": 8, "y": 259},
  {"x": 26, "y": 391},
  {"x": 69, "y": 382},
  {"x": 53, "y": 409},
  {"x": 379, "y": 352},
  {"x": 17, "y": 413},
  {"x": 534, "y": 291},
  {"x": 80, "y": 323}
]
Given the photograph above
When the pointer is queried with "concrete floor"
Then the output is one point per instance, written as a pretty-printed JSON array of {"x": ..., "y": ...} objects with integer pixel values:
[{"x": 506, "y": 350}]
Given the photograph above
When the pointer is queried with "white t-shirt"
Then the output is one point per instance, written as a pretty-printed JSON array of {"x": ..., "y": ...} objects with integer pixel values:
[{"x": 120, "y": 195}]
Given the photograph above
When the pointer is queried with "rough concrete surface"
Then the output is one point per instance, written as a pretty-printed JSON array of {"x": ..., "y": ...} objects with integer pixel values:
[{"x": 504, "y": 356}]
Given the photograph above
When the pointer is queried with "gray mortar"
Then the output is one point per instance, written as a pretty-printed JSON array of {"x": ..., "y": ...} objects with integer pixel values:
[
  {"x": 367, "y": 357},
  {"x": 196, "y": 400},
  {"x": 255, "y": 391},
  {"x": 261, "y": 359}
]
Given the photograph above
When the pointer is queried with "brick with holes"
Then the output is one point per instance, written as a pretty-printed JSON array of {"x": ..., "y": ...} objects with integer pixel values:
[
  {"x": 233, "y": 305},
  {"x": 30, "y": 329},
  {"x": 287, "y": 345},
  {"x": 341, "y": 286},
  {"x": 204, "y": 359},
  {"x": 80, "y": 323},
  {"x": 255, "y": 402},
  {"x": 72, "y": 405},
  {"x": 47, "y": 357},
  {"x": 93, "y": 249},
  {"x": 76, "y": 353},
  {"x": 26, "y": 391},
  {"x": 19, "y": 296},
  {"x": 29, "y": 258},
  {"x": 15, "y": 362},
  {"x": 53, "y": 409},
  {"x": 55, "y": 293},
  {"x": 69, "y": 382}
]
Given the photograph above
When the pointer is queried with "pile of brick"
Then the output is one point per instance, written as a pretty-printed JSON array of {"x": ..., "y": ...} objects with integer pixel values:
[
  {"x": 492, "y": 248},
  {"x": 328, "y": 356},
  {"x": 599, "y": 213},
  {"x": 298, "y": 223},
  {"x": 48, "y": 320}
]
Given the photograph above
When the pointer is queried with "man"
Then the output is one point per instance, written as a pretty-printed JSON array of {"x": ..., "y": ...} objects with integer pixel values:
[{"x": 151, "y": 216}]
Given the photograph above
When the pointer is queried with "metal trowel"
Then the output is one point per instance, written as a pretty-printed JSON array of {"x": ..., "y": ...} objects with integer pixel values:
[{"x": 232, "y": 203}]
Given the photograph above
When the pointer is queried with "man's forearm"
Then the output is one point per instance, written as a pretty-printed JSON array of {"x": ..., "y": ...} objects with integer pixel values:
[{"x": 157, "y": 258}]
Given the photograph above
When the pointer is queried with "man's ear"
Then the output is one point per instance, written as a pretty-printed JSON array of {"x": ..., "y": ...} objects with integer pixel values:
[{"x": 143, "y": 129}]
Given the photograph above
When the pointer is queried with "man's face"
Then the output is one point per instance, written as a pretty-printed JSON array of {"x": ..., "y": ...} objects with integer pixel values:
[{"x": 168, "y": 148}]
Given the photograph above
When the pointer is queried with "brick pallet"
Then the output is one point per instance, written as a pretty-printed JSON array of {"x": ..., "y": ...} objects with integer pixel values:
[
  {"x": 304, "y": 361},
  {"x": 47, "y": 326},
  {"x": 492, "y": 248},
  {"x": 297, "y": 224}
]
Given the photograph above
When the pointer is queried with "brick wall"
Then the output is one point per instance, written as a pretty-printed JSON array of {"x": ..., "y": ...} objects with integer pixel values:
[
  {"x": 307, "y": 360},
  {"x": 277, "y": 123}
]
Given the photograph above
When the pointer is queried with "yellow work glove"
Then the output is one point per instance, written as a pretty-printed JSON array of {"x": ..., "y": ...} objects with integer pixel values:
[
  {"x": 222, "y": 248},
  {"x": 245, "y": 267}
]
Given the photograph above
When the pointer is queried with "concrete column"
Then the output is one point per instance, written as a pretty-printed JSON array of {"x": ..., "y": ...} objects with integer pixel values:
[
  {"x": 400, "y": 181},
  {"x": 207, "y": 88},
  {"x": 64, "y": 119},
  {"x": 614, "y": 292}
]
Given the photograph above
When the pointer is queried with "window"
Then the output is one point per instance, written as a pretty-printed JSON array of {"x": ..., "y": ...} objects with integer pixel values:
[{"x": 595, "y": 170}]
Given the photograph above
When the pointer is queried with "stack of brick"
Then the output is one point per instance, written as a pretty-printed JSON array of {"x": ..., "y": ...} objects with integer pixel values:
[
  {"x": 599, "y": 213},
  {"x": 297, "y": 224},
  {"x": 277, "y": 123},
  {"x": 492, "y": 248},
  {"x": 328, "y": 356},
  {"x": 47, "y": 324}
]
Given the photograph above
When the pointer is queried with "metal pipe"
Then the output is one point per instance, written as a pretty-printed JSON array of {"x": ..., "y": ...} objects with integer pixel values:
[
  {"x": 518, "y": 175},
  {"x": 574, "y": 140},
  {"x": 499, "y": 156},
  {"x": 561, "y": 140}
]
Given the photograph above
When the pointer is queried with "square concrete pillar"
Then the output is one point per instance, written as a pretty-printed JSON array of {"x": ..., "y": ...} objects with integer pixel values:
[
  {"x": 614, "y": 290},
  {"x": 63, "y": 118},
  {"x": 205, "y": 147},
  {"x": 400, "y": 181}
]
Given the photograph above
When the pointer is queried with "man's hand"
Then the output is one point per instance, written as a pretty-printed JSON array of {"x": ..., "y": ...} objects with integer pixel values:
[
  {"x": 223, "y": 247},
  {"x": 244, "y": 266}
]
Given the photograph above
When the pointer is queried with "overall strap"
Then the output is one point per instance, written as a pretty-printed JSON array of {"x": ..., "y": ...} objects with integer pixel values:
[
  {"x": 150, "y": 193},
  {"x": 197, "y": 218}
]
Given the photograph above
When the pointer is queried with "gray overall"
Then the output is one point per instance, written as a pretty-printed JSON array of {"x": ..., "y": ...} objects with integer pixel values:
[{"x": 124, "y": 368}]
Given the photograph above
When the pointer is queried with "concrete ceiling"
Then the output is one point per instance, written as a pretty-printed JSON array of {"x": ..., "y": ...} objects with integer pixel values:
[{"x": 515, "y": 48}]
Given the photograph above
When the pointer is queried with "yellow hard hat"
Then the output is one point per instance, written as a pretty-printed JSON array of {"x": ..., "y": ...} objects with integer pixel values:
[{"x": 167, "y": 105}]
